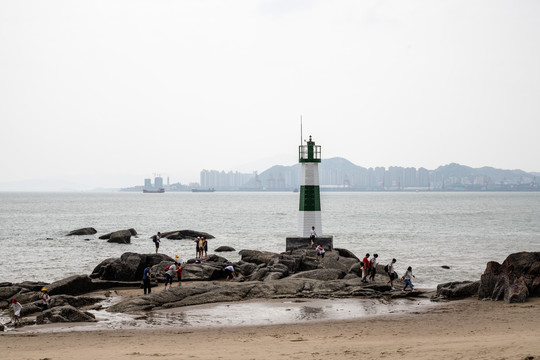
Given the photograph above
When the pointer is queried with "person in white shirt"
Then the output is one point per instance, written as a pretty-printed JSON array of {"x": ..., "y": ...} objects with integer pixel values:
[
  {"x": 16, "y": 307},
  {"x": 408, "y": 279},
  {"x": 169, "y": 276},
  {"x": 392, "y": 273},
  {"x": 230, "y": 272},
  {"x": 312, "y": 235}
]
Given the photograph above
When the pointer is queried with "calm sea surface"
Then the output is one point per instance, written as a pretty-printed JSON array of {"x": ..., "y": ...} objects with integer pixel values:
[{"x": 423, "y": 230}]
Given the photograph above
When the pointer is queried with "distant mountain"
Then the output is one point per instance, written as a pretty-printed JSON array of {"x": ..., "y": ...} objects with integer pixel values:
[{"x": 340, "y": 173}]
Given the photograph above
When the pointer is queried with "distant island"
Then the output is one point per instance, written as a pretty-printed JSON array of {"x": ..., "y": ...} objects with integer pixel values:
[{"x": 339, "y": 174}]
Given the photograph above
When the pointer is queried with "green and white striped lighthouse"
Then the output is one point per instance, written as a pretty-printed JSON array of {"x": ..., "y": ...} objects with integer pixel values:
[{"x": 310, "y": 197}]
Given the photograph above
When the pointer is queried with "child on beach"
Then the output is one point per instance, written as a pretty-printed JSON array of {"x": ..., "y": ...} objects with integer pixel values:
[
  {"x": 16, "y": 308},
  {"x": 408, "y": 278},
  {"x": 45, "y": 297}
]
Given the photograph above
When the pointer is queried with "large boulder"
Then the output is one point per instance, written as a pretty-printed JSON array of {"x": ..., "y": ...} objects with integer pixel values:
[
  {"x": 320, "y": 274},
  {"x": 83, "y": 231},
  {"x": 120, "y": 237},
  {"x": 73, "y": 285},
  {"x": 224, "y": 249},
  {"x": 458, "y": 289},
  {"x": 185, "y": 235},
  {"x": 204, "y": 271},
  {"x": 65, "y": 313},
  {"x": 346, "y": 253},
  {"x": 256, "y": 256},
  {"x": 517, "y": 278},
  {"x": 129, "y": 267}
]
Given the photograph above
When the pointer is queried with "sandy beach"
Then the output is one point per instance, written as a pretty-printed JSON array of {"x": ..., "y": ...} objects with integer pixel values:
[{"x": 465, "y": 329}]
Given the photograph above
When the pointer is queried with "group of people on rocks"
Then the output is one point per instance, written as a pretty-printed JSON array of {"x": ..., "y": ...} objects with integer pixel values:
[
  {"x": 369, "y": 270},
  {"x": 170, "y": 272},
  {"x": 369, "y": 265}
]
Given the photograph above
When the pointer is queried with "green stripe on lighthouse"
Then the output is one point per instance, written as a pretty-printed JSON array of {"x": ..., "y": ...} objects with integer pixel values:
[{"x": 310, "y": 198}]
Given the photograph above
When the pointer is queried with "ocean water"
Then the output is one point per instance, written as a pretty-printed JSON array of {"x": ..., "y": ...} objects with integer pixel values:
[{"x": 424, "y": 230}]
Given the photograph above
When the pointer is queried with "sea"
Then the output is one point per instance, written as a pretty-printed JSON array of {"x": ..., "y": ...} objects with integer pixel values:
[{"x": 424, "y": 230}]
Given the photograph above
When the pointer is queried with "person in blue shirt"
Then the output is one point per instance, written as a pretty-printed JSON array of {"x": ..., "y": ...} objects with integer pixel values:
[{"x": 147, "y": 276}]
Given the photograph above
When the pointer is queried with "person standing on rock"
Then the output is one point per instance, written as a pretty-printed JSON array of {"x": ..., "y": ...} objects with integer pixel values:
[
  {"x": 408, "y": 279},
  {"x": 197, "y": 250},
  {"x": 45, "y": 297},
  {"x": 365, "y": 268},
  {"x": 312, "y": 236},
  {"x": 157, "y": 240},
  {"x": 147, "y": 276},
  {"x": 373, "y": 266},
  {"x": 320, "y": 252},
  {"x": 391, "y": 273},
  {"x": 204, "y": 248},
  {"x": 169, "y": 273}
]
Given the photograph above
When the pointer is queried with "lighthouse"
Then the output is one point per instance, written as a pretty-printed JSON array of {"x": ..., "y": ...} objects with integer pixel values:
[
  {"x": 309, "y": 211},
  {"x": 309, "y": 214}
]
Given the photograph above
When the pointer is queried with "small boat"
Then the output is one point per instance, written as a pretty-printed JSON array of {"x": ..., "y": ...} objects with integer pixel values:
[
  {"x": 158, "y": 191},
  {"x": 203, "y": 190}
]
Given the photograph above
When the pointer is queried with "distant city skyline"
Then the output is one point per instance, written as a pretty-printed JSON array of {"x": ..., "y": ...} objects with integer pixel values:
[
  {"x": 106, "y": 94},
  {"x": 234, "y": 179}
]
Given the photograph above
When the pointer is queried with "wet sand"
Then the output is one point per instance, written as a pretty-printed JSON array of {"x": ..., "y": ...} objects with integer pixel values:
[{"x": 466, "y": 329}]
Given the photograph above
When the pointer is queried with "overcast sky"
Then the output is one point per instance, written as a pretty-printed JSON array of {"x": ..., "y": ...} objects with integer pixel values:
[{"x": 105, "y": 93}]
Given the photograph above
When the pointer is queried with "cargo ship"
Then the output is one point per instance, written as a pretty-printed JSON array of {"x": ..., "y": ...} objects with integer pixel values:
[
  {"x": 157, "y": 191},
  {"x": 203, "y": 190}
]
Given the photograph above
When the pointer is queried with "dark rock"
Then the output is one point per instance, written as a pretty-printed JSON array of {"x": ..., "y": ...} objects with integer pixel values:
[
  {"x": 129, "y": 267},
  {"x": 7, "y": 292},
  {"x": 514, "y": 280},
  {"x": 445, "y": 267},
  {"x": 65, "y": 313},
  {"x": 517, "y": 292},
  {"x": 185, "y": 235},
  {"x": 346, "y": 253},
  {"x": 120, "y": 237},
  {"x": 83, "y": 231},
  {"x": 73, "y": 285},
  {"x": 356, "y": 269},
  {"x": 458, "y": 289},
  {"x": 75, "y": 301},
  {"x": 245, "y": 268},
  {"x": 224, "y": 249},
  {"x": 256, "y": 256},
  {"x": 320, "y": 274},
  {"x": 203, "y": 272},
  {"x": 216, "y": 259}
]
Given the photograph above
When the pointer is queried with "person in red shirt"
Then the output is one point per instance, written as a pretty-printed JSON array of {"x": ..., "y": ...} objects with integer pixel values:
[{"x": 365, "y": 268}]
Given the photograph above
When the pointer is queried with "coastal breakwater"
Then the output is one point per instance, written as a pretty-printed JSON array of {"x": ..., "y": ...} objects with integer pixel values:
[{"x": 260, "y": 275}]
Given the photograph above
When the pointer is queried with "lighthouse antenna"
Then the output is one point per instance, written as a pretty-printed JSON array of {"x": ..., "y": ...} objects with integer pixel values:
[{"x": 301, "y": 130}]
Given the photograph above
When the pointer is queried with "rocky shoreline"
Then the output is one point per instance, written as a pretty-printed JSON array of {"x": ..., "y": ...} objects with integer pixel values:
[{"x": 261, "y": 275}]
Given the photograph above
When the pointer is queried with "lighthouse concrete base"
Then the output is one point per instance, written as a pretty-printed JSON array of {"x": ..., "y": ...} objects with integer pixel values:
[{"x": 293, "y": 243}]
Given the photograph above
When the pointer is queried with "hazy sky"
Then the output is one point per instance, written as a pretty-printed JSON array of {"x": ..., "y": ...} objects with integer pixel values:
[{"x": 105, "y": 93}]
